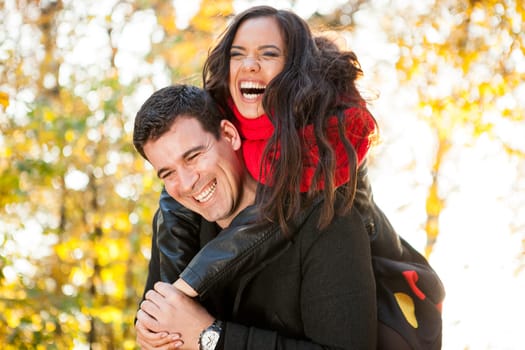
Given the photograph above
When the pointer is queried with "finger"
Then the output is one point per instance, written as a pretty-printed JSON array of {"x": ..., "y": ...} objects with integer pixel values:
[
  {"x": 146, "y": 345},
  {"x": 176, "y": 344},
  {"x": 149, "y": 340},
  {"x": 150, "y": 323},
  {"x": 143, "y": 331},
  {"x": 150, "y": 307},
  {"x": 156, "y": 298},
  {"x": 152, "y": 295},
  {"x": 146, "y": 339},
  {"x": 170, "y": 293},
  {"x": 164, "y": 288}
]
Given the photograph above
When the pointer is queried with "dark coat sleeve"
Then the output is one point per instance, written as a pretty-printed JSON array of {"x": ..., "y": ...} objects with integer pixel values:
[
  {"x": 178, "y": 230},
  {"x": 236, "y": 250},
  {"x": 154, "y": 262}
]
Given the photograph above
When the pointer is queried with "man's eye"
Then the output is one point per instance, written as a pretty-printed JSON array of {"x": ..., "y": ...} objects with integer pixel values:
[
  {"x": 167, "y": 174},
  {"x": 193, "y": 157}
]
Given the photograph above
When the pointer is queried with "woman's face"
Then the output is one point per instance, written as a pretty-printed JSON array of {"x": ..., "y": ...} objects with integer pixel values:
[{"x": 257, "y": 55}]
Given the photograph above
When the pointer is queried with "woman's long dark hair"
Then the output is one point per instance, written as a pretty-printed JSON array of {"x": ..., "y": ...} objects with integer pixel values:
[{"x": 317, "y": 82}]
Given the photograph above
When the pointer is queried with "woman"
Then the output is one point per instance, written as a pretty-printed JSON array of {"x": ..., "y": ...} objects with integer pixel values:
[
  {"x": 309, "y": 87},
  {"x": 308, "y": 92}
]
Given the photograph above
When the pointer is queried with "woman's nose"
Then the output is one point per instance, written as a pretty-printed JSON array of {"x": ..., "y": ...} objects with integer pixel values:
[{"x": 251, "y": 64}]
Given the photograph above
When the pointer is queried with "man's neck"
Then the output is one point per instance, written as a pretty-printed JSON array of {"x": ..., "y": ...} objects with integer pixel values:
[{"x": 247, "y": 198}]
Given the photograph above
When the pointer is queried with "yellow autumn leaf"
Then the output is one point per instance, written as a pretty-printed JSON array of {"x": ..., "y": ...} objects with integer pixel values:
[
  {"x": 115, "y": 276},
  {"x": 108, "y": 314},
  {"x": 12, "y": 318},
  {"x": 434, "y": 204},
  {"x": 62, "y": 250},
  {"x": 69, "y": 136},
  {"x": 49, "y": 115},
  {"x": 4, "y": 99},
  {"x": 78, "y": 276},
  {"x": 485, "y": 89},
  {"x": 212, "y": 14},
  {"x": 50, "y": 327},
  {"x": 166, "y": 18},
  {"x": 147, "y": 182},
  {"x": 122, "y": 223},
  {"x": 6, "y": 152},
  {"x": 111, "y": 250},
  {"x": 36, "y": 321}
]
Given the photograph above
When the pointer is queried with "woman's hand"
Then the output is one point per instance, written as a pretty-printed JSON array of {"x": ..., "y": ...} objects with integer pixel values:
[{"x": 167, "y": 309}]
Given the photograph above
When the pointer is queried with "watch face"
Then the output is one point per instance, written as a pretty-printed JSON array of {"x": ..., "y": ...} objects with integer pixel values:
[{"x": 210, "y": 339}]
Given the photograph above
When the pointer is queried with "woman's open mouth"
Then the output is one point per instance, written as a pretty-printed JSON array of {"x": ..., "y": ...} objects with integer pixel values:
[{"x": 251, "y": 90}]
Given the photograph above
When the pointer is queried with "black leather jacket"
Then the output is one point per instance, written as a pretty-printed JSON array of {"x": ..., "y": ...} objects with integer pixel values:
[
  {"x": 238, "y": 250},
  {"x": 204, "y": 257}
]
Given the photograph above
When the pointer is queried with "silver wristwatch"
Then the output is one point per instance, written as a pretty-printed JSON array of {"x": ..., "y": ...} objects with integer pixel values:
[{"x": 210, "y": 336}]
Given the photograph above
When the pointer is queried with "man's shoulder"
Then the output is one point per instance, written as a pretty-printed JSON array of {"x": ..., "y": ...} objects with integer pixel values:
[{"x": 248, "y": 215}]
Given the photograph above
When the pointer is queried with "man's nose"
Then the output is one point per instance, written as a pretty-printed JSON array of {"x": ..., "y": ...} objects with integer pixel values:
[
  {"x": 251, "y": 64},
  {"x": 187, "y": 179}
]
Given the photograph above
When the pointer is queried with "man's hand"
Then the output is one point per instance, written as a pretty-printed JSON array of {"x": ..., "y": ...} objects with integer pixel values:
[
  {"x": 171, "y": 311},
  {"x": 148, "y": 340}
]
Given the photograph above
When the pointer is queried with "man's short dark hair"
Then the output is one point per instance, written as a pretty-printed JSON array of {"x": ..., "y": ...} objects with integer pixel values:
[{"x": 159, "y": 112}]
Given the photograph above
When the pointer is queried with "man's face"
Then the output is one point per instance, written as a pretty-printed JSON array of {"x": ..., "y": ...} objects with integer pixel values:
[{"x": 202, "y": 173}]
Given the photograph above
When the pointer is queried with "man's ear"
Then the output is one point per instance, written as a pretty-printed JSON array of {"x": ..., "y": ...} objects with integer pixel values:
[{"x": 230, "y": 133}]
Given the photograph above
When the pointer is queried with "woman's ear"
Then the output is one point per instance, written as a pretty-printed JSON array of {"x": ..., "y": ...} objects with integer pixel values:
[{"x": 229, "y": 132}]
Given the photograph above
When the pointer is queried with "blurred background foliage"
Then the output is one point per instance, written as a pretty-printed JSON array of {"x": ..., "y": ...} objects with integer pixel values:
[{"x": 76, "y": 201}]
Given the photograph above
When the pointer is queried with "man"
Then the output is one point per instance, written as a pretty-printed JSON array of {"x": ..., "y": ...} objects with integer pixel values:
[
  {"x": 183, "y": 147},
  {"x": 197, "y": 156}
]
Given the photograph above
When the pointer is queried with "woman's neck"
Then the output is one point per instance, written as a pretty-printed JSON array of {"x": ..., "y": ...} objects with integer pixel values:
[{"x": 260, "y": 128}]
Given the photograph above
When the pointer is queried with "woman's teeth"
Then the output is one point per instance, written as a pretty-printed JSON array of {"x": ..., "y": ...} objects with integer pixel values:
[{"x": 251, "y": 90}]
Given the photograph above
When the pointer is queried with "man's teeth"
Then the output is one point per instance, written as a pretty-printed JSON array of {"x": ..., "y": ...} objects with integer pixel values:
[{"x": 205, "y": 195}]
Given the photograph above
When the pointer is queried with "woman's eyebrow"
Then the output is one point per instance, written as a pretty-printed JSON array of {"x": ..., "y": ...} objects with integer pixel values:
[
  {"x": 269, "y": 46},
  {"x": 262, "y": 47}
]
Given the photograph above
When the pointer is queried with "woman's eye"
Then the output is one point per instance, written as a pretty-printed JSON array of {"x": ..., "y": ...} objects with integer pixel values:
[
  {"x": 270, "y": 54},
  {"x": 236, "y": 55}
]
